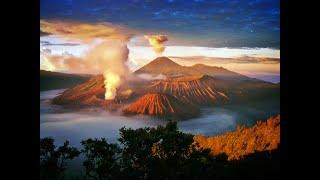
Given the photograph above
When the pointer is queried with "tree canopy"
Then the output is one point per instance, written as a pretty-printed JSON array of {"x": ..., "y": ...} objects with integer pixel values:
[{"x": 153, "y": 153}]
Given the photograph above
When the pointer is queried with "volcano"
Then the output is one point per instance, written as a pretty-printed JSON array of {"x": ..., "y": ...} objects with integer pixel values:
[
  {"x": 163, "y": 106},
  {"x": 167, "y": 67},
  {"x": 183, "y": 91},
  {"x": 199, "y": 90},
  {"x": 87, "y": 93},
  {"x": 236, "y": 87}
]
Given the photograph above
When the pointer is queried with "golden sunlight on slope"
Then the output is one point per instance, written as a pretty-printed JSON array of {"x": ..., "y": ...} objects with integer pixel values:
[{"x": 264, "y": 136}]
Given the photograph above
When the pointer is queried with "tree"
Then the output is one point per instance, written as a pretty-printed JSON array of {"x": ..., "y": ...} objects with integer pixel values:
[
  {"x": 163, "y": 153},
  {"x": 53, "y": 159},
  {"x": 155, "y": 153},
  {"x": 101, "y": 159}
]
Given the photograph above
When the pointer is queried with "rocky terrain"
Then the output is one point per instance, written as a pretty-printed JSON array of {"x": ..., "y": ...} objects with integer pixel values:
[
  {"x": 198, "y": 90},
  {"x": 163, "y": 106}
]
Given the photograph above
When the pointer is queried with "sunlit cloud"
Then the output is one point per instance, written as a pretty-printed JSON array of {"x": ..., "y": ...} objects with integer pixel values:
[
  {"x": 229, "y": 60},
  {"x": 83, "y": 31}
]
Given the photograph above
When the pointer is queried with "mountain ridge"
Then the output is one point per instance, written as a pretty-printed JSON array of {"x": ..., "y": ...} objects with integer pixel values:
[
  {"x": 55, "y": 80},
  {"x": 166, "y": 66}
]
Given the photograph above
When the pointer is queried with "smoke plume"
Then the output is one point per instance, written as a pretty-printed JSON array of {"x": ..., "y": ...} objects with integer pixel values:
[
  {"x": 108, "y": 57},
  {"x": 156, "y": 41}
]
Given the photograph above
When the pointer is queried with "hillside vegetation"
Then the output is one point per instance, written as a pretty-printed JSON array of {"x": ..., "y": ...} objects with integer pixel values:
[
  {"x": 264, "y": 136},
  {"x": 166, "y": 153}
]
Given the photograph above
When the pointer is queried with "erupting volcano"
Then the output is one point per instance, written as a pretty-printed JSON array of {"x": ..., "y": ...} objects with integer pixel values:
[{"x": 179, "y": 96}]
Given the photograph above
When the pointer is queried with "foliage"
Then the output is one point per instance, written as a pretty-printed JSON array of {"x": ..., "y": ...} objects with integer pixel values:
[
  {"x": 101, "y": 159},
  {"x": 164, "y": 153},
  {"x": 264, "y": 136},
  {"x": 53, "y": 159},
  {"x": 161, "y": 153}
]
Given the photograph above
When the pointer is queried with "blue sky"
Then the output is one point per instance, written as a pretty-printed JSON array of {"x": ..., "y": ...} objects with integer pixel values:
[{"x": 210, "y": 23}]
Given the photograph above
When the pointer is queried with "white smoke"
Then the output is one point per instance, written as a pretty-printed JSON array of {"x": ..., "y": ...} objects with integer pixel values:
[
  {"x": 108, "y": 58},
  {"x": 152, "y": 77}
]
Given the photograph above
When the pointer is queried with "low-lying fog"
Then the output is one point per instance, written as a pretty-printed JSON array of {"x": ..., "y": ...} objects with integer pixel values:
[{"x": 62, "y": 124}]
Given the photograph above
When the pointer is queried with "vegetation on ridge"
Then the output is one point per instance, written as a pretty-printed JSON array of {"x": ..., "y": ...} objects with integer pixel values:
[
  {"x": 163, "y": 153},
  {"x": 264, "y": 136}
]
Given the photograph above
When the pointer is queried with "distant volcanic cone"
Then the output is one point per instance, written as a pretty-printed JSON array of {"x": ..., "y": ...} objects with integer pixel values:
[{"x": 161, "y": 105}]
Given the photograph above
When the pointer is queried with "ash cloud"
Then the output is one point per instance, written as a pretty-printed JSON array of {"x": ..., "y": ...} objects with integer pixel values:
[{"x": 157, "y": 42}]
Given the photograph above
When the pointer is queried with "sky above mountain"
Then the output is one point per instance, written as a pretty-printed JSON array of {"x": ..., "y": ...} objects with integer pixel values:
[
  {"x": 241, "y": 35},
  {"x": 213, "y": 23}
]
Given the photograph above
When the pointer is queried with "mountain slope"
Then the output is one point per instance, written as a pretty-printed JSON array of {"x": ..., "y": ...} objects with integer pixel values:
[
  {"x": 219, "y": 72},
  {"x": 55, "y": 80},
  {"x": 161, "y": 105},
  {"x": 198, "y": 90},
  {"x": 89, "y": 93}
]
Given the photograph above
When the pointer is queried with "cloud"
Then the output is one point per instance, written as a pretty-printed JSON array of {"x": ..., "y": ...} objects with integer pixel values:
[
  {"x": 44, "y": 33},
  {"x": 83, "y": 31},
  {"x": 105, "y": 55},
  {"x": 108, "y": 58},
  {"x": 217, "y": 60},
  {"x": 47, "y": 43},
  {"x": 249, "y": 66},
  {"x": 108, "y": 54}
]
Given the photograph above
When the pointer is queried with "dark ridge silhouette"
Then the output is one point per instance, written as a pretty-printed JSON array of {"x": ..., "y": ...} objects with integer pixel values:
[{"x": 55, "y": 80}]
